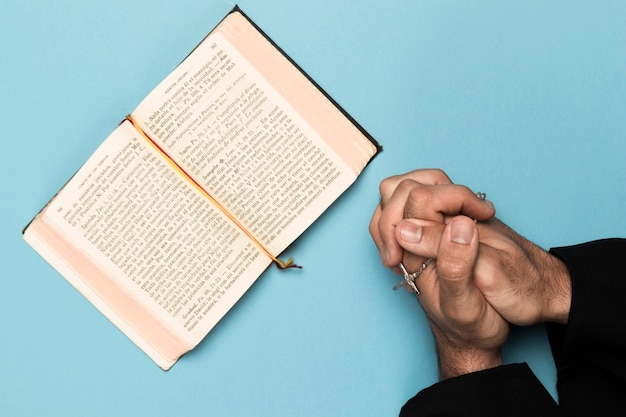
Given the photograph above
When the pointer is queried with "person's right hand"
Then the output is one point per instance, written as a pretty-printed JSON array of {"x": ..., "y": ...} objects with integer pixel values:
[{"x": 523, "y": 282}]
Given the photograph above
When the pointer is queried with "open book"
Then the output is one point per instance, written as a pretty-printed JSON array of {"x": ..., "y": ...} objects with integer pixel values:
[{"x": 216, "y": 172}]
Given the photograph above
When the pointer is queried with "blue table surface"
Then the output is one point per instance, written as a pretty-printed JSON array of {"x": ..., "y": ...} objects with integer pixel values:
[{"x": 524, "y": 100}]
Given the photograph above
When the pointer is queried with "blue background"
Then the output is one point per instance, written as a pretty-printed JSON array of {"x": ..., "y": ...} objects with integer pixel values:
[{"x": 524, "y": 100}]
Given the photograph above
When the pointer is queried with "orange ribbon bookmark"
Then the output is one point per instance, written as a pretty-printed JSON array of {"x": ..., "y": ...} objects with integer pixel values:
[{"x": 279, "y": 263}]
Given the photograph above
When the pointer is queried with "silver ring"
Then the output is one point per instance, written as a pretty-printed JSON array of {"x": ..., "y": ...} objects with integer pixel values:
[
  {"x": 481, "y": 196},
  {"x": 409, "y": 279}
]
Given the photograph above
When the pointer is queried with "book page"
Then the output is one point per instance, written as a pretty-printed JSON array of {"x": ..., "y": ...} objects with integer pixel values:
[
  {"x": 230, "y": 130},
  {"x": 155, "y": 235}
]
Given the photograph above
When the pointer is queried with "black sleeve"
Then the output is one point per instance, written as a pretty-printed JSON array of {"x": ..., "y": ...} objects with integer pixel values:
[
  {"x": 590, "y": 351},
  {"x": 508, "y": 390}
]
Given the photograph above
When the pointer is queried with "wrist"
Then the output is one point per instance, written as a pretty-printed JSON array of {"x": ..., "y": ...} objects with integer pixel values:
[
  {"x": 453, "y": 362},
  {"x": 558, "y": 299}
]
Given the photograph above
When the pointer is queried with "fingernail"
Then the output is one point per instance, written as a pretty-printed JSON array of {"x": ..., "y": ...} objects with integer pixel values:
[
  {"x": 411, "y": 233},
  {"x": 461, "y": 232},
  {"x": 489, "y": 204}
]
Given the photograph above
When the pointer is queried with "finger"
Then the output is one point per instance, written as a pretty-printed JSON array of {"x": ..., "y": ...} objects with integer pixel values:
[
  {"x": 460, "y": 300},
  {"x": 431, "y": 207},
  {"x": 374, "y": 230},
  {"x": 436, "y": 177},
  {"x": 436, "y": 203},
  {"x": 442, "y": 201},
  {"x": 422, "y": 176},
  {"x": 390, "y": 216},
  {"x": 420, "y": 237},
  {"x": 419, "y": 245},
  {"x": 375, "y": 233}
]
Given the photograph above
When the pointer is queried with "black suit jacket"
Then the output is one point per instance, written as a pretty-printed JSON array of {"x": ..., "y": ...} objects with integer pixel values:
[{"x": 589, "y": 353}]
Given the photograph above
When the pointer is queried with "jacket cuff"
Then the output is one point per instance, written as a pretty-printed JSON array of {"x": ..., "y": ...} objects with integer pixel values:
[{"x": 511, "y": 390}]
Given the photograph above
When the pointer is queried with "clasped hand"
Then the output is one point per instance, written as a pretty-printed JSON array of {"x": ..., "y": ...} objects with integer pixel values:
[{"x": 485, "y": 275}]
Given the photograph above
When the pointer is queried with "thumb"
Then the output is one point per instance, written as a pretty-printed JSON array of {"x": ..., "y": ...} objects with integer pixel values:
[
  {"x": 420, "y": 237},
  {"x": 458, "y": 250}
]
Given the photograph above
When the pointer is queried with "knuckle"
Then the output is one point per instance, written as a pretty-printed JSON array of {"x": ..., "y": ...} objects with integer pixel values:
[
  {"x": 418, "y": 198},
  {"x": 384, "y": 186},
  {"x": 464, "y": 188},
  {"x": 406, "y": 185},
  {"x": 487, "y": 282},
  {"x": 440, "y": 177},
  {"x": 389, "y": 185}
]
